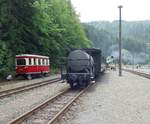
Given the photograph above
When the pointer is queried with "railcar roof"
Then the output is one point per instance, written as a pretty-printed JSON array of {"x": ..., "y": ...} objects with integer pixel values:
[{"x": 31, "y": 55}]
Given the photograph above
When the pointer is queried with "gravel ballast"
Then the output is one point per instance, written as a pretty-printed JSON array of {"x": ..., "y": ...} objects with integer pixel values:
[
  {"x": 15, "y": 105},
  {"x": 114, "y": 100}
]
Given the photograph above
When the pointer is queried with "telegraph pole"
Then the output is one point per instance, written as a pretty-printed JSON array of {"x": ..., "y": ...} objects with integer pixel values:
[{"x": 120, "y": 45}]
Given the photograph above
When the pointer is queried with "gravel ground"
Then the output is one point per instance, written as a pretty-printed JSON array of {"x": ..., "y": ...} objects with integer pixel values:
[
  {"x": 113, "y": 100},
  {"x": 17, "y": 83},
  {"x": 12, "y": 107}
]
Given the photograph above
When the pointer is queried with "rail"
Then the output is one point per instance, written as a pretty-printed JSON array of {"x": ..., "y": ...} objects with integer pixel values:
[
  {"x": 9, "y": 92},
  {"x": 52, "y": 109}
]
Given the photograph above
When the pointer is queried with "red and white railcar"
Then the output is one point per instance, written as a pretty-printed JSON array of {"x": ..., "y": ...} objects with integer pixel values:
[{"x": 28, "y": 65}]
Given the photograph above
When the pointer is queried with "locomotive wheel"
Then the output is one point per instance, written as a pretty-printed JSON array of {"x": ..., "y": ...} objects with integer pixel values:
[
  {"x": 71, "y": 85},
  {"x": 29, "y": 77},
  {"x": 87, "y": 82}
]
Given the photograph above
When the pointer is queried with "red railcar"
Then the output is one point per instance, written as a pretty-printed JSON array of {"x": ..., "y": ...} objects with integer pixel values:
[{"x": 28, "y": 65}]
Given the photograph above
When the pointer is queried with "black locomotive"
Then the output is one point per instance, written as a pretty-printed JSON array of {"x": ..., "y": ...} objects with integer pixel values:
[{"x": 82, "y": 67}]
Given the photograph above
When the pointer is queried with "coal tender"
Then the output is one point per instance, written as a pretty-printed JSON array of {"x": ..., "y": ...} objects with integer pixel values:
[{"x": 80, "y": 68}]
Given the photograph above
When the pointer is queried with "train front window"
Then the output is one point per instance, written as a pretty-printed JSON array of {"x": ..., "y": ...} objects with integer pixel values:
[{"x": 21, "y": 62}]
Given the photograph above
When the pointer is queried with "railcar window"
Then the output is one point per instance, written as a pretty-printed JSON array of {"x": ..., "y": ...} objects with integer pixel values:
[
  {"x": 46, "y": 61},
  {"x": 21, "y": 62},
  {"x": 29, "y": 61},
  {"x": 34, "y": 61},
  {"x": 39, "y": 61},
  {"x": 43, "y": 61}
]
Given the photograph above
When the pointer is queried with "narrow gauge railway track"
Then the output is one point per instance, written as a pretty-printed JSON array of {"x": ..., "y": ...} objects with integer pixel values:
[
  {"x": 9, "y": 92},
  {"x": 138, "y": 73},
  {"x": 51, "y": 110}
]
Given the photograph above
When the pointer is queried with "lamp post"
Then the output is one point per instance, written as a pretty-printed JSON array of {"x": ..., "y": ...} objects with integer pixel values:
[{"x": 120, "y": 59}]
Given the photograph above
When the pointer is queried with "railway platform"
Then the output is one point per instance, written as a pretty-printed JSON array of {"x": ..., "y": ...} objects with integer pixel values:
[{"x": 114, "y": 100}]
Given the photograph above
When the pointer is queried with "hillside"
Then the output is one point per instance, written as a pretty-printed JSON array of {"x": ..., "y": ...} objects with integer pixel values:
[{"x": 135, "y": 39}]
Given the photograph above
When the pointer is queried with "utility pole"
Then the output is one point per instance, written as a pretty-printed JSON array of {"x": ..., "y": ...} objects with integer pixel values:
[{"x": 120, "y": 45}]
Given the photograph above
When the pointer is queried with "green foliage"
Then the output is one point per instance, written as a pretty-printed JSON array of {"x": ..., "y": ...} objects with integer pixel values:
[
  {"x": 45, "y": 27},
  {"x": 5, "y": 59}
]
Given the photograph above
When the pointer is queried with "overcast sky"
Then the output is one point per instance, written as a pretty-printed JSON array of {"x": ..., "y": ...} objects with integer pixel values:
[{"x": 93, "y": 10}]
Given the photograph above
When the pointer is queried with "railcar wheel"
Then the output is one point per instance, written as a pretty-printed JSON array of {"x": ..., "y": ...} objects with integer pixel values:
[
  {"x": 45, "y": 74},
  {"x": 73, "y": 85},
  {"x": 29, "y": 77}
]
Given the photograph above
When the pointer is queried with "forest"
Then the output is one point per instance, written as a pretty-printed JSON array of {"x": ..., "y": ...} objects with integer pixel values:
[
  {"x": 135, "y": 39},
  {"x": 44, "y": 27}
]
